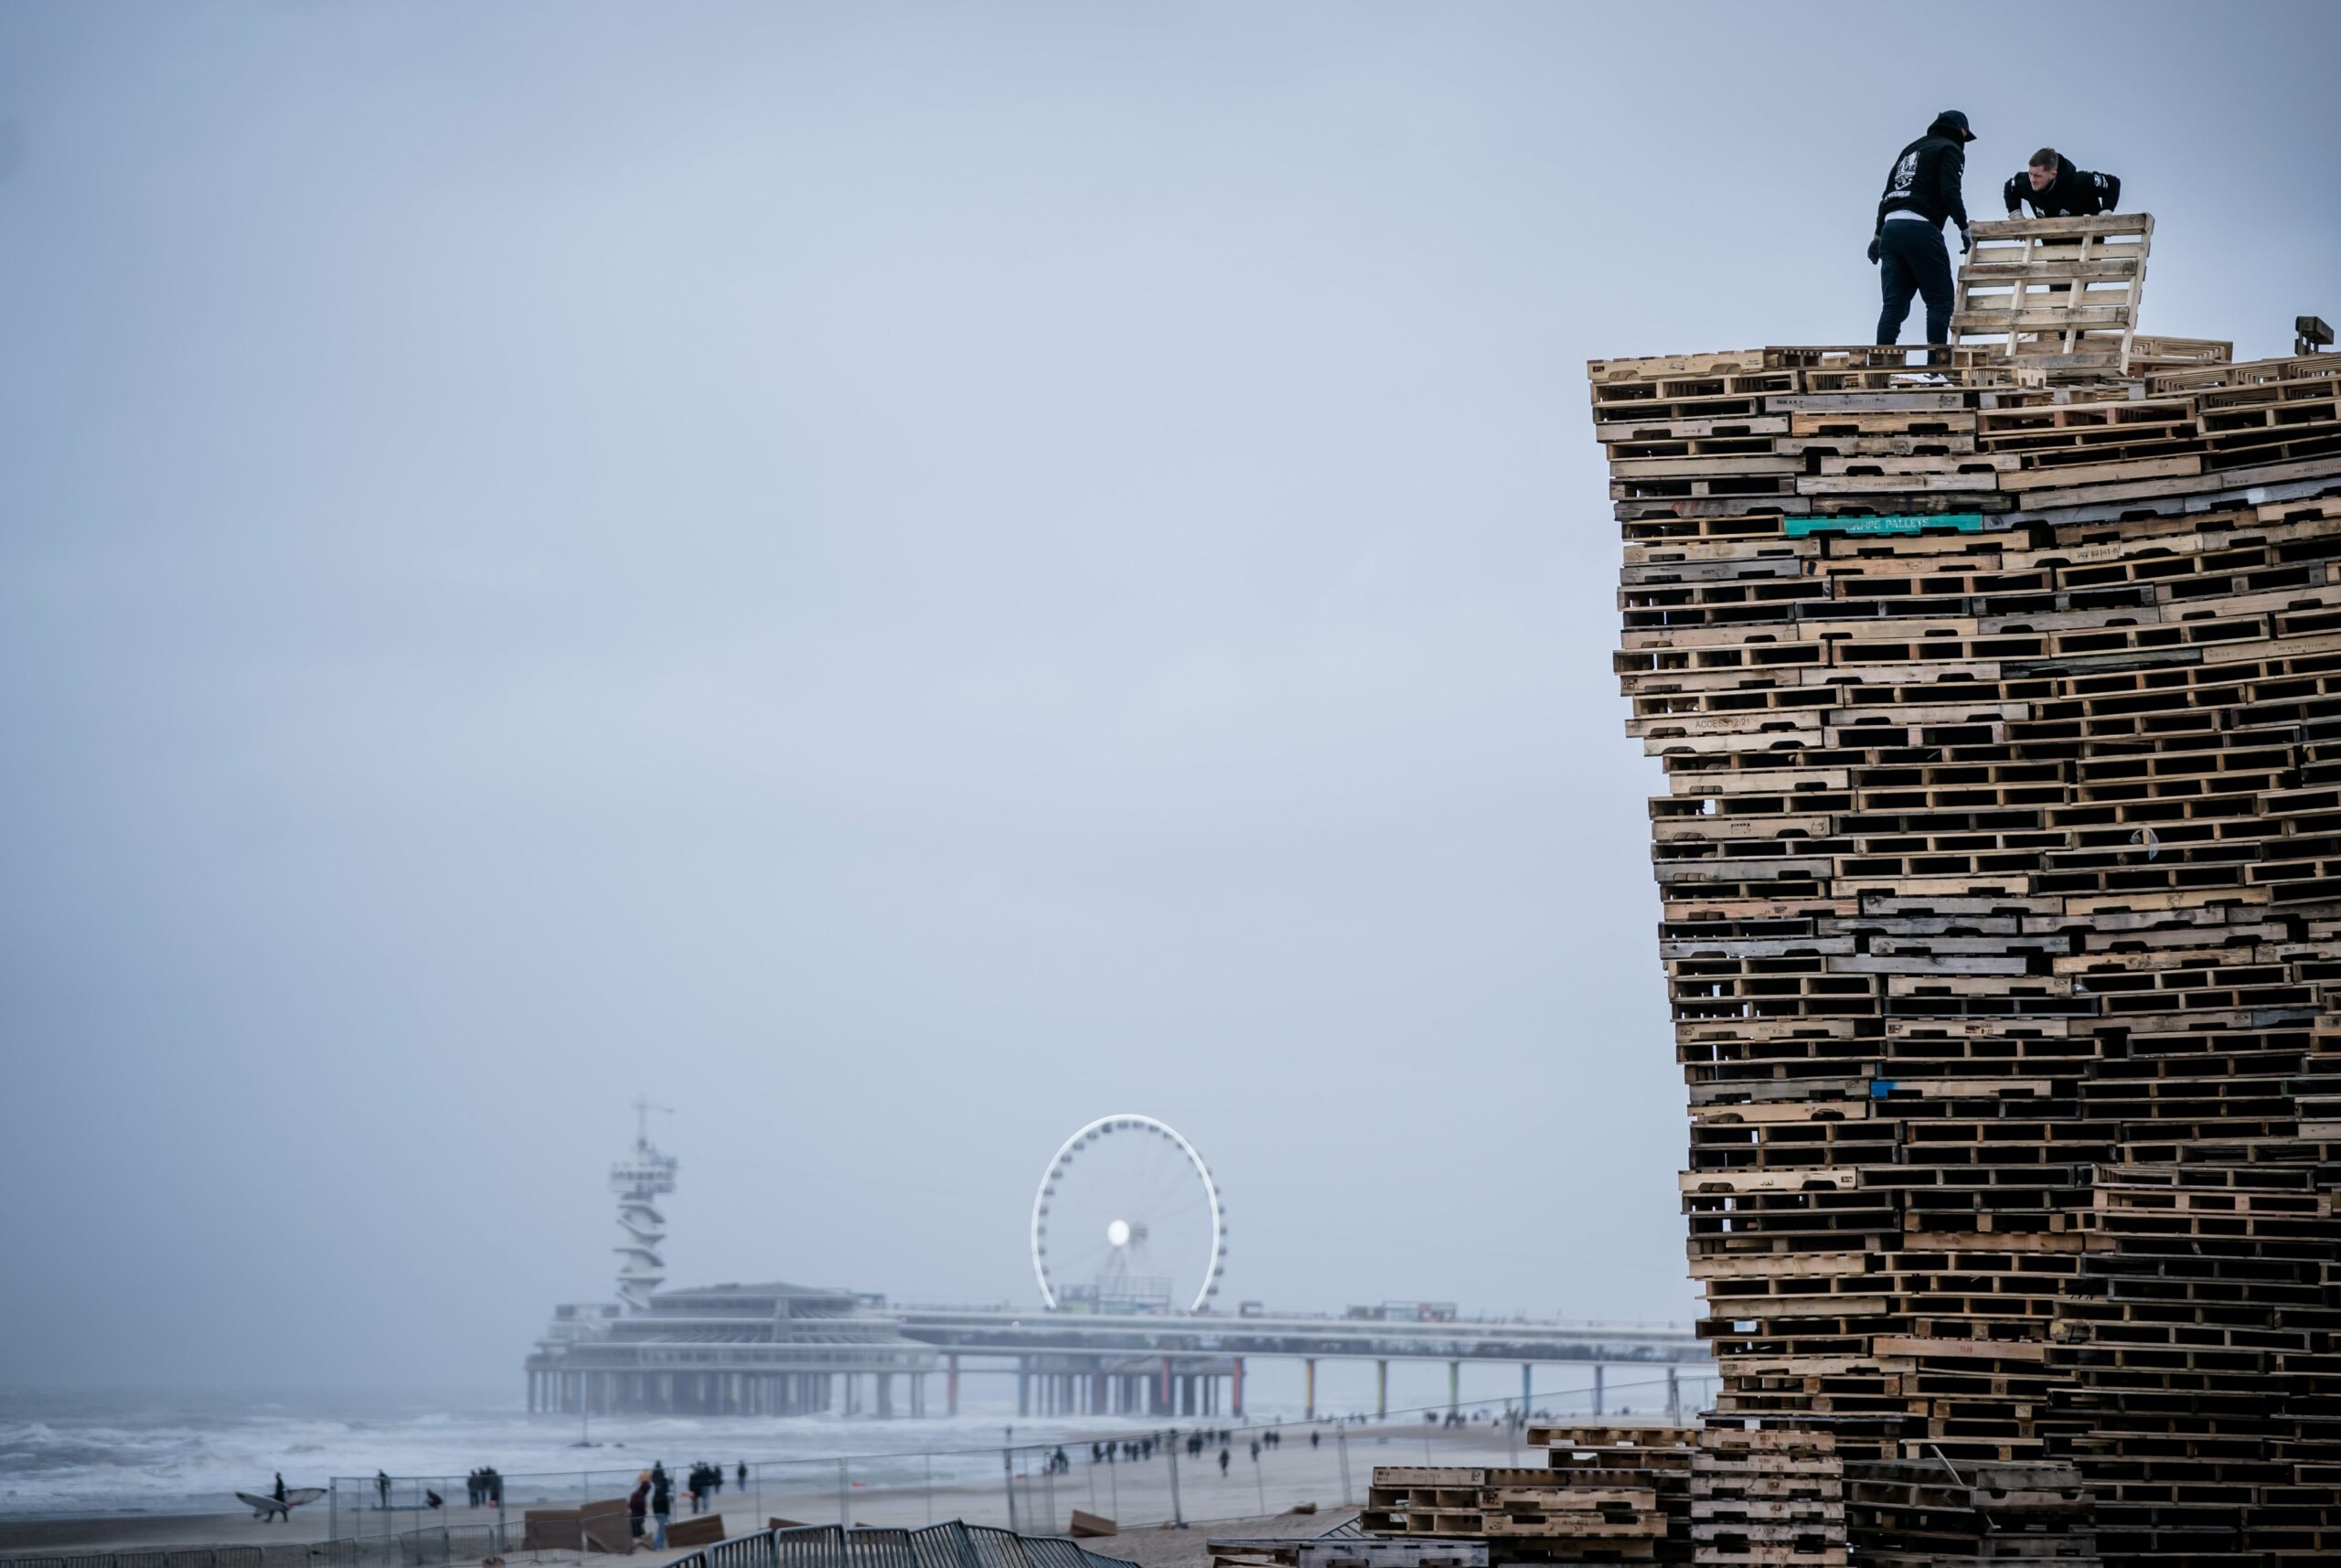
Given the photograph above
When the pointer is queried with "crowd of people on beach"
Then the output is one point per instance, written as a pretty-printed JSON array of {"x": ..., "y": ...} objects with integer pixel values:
[
  {"x": 651, "y": 1505},
  {"x": 1137, "y": 1450}
]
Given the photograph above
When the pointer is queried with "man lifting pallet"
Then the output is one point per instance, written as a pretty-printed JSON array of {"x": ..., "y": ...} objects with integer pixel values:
[{"x": 2054, "y": 189}]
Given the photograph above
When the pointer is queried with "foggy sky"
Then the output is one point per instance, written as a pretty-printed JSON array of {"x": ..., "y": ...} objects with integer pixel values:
[{"x": 899, "y": 578}]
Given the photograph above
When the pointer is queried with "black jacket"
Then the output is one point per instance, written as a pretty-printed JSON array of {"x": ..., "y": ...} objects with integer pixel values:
[
  {"x": 2074, "y": 193},
  {"x": 1925, "y": 178}
]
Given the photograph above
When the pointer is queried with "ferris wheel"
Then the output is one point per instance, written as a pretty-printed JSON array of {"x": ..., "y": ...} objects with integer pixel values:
[{"x": 1129, "y": 1219}]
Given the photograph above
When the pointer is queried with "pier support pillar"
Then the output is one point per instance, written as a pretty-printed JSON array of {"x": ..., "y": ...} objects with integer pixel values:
[
  {"x": 1308, "y": 1388},
  {"x": 1024, "y": 1389},
  {"x": 1382, "y": 1390},
  {"x": 951, "y": 1385},
  {"x": 1597, "y": 1388},
  {"x": 1454, "y": 1388},
  {"x": 1674, "y": 1399},
  {"x": 1235, "y": 1388},
  {"x": 1527, "y": 1388},
  {"x": 1162, "y": 1389}
]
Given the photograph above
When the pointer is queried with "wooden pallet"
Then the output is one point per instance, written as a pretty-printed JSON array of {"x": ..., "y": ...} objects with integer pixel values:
[
  {"x": 2059, "y": 292},
  {"x": 1344, "y": 1551}
]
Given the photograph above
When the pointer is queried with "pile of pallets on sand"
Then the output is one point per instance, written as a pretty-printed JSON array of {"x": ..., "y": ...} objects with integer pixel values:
[
  {"x": 1343, "y": 1549},
  {"x": 1604, "y": 1495},
  {"x": 2000, "y": 860},
  {"x": 1767, "y": 1497},
  {"x": 1935, "y": 1514}
]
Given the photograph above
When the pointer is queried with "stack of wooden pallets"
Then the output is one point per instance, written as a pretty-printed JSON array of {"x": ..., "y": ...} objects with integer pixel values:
[
  {"x": 1767, "y": 1497},
  {"x": 1934, "y": 1514},
  {"x": 2000, "y": 860},
  {"x": 1344, "y": 1547},
  {"x": 1605, "y": 1494}
]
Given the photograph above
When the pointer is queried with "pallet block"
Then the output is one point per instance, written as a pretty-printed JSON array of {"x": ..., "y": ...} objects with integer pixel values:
[{"x": 2000, "y": 868}]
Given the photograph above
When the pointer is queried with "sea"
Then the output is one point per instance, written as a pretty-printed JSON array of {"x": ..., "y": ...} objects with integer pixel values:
[{"x": 130, "y": 1453}]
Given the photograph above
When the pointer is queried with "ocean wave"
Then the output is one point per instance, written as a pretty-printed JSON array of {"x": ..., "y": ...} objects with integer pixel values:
[{"x": 155, "y": 1455}]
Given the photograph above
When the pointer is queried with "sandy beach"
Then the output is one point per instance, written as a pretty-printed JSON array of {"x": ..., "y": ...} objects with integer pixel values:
[{"x": 1138, "y": 1493}]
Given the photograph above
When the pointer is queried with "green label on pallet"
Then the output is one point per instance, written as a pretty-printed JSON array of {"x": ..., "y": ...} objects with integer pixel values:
[{"x": 1963, "y": 522}]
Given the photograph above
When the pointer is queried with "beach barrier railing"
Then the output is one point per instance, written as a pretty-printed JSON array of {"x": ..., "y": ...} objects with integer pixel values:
[
  {"x": 953, "y": 1544},
  {"x": 349, "y": 1553}
]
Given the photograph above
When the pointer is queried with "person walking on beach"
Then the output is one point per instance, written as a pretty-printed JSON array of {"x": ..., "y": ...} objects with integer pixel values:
[
  {"x": 743, "y": 1474},
  {"x": 662, "y": 1505},
  {"x": 638, "y": 1506},
  {"x": 1222, "y": 1463},
  {"x": 382, "y": 1487}
]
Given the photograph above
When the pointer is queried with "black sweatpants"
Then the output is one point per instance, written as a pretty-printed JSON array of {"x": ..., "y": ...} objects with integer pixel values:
[{"x": 1913, "y": 259}]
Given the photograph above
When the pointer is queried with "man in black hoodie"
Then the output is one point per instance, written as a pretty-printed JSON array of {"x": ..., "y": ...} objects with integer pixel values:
[
  {"x": 2056, "y": 189},
  {"x": 1923, "y": 189}
]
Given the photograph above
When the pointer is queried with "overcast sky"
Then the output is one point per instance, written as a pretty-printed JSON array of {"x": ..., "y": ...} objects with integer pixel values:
[{"x": 899, "y": 578}]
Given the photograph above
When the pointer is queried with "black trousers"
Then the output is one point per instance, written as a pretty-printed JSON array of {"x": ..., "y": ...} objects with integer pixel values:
[{"x": 1913, "y": 259}]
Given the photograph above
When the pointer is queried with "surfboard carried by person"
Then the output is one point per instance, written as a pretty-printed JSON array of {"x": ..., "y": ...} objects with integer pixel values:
[{"x": 280, "y": 1500}]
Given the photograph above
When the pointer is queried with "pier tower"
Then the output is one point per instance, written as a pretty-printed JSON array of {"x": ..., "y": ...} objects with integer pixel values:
[{"x": 643, "y": 1176}]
